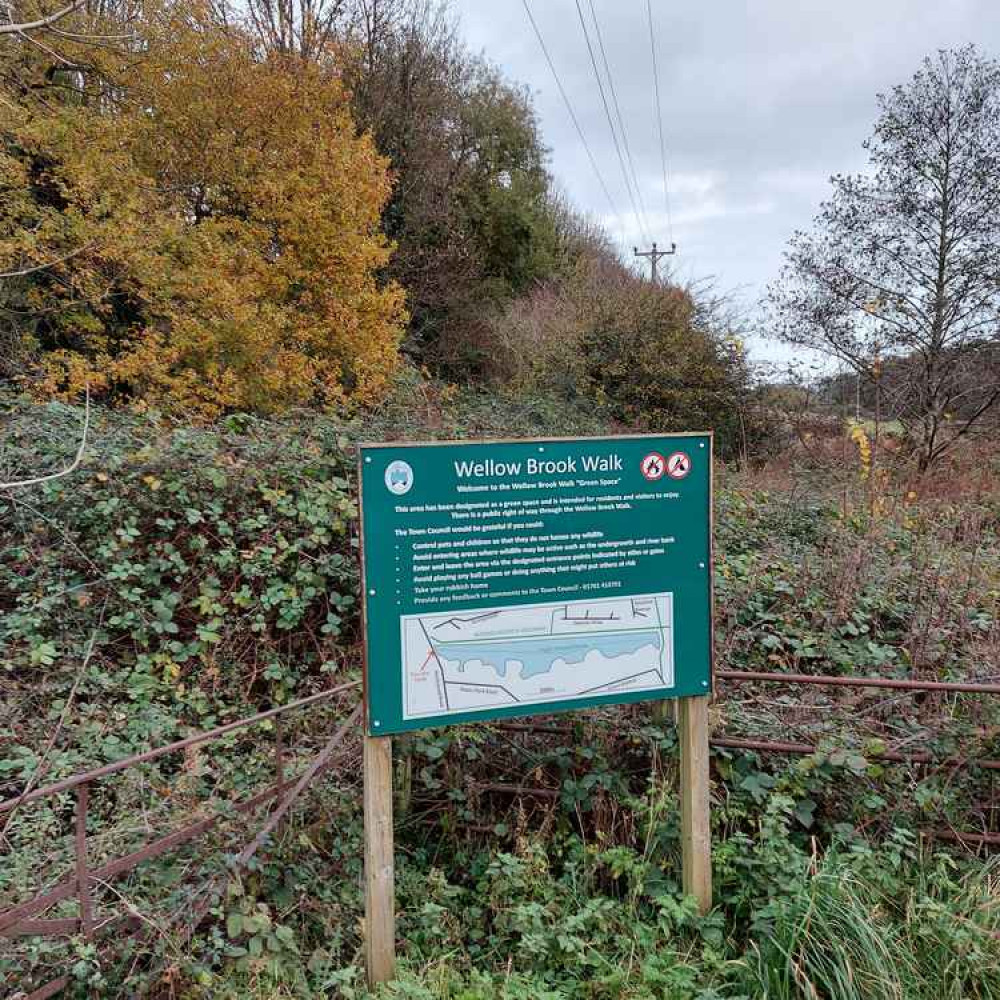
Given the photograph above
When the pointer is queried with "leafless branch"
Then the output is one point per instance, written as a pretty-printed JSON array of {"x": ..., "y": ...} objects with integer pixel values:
[
  {"x": 41, "y": 267},
  {"x": 35, "y": 480},
  {"x": 42, "y": 22}
]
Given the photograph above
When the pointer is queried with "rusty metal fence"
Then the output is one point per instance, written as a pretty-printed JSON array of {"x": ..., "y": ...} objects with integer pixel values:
[
  {"x": 783, "y": 747},
  {"x": 963, "y": 837},
  {"x": 26, "y": 918}
]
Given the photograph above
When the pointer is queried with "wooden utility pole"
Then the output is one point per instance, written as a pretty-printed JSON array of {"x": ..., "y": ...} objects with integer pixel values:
[{"x": 654, "y": 256}]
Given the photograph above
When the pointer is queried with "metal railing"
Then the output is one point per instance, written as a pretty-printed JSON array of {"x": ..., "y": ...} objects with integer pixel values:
[
  {"x": 917, "y": 757},
  {"x": 25, "y": 918},
  {"x": 893, "y": 756}
]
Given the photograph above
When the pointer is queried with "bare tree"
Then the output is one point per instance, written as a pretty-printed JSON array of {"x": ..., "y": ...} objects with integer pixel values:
[
  {"x": 303, "y": 28},
  {"x": 903, "y": 262}
]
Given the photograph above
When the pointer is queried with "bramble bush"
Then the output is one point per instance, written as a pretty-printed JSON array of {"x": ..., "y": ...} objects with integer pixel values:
[
  {"x": 213, "y": 571},
  {"x": 647, "y": 357},
  {"x": 210, "y": 568}
]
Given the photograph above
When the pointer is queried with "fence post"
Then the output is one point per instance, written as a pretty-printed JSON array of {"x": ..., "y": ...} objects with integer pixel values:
[
  {"x": 279, "y": 764},
  {"x": 696, "y": 830},
  {"x": 82, "y": 874},
  {"x": 380, "y": 922}
]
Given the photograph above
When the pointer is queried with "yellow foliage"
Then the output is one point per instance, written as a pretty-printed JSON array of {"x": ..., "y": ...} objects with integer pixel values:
[
  {"x": 860, "y": 438},
  {"x": 222, "y": 219}
]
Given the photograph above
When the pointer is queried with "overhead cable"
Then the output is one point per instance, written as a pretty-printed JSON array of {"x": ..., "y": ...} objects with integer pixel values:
[
  {"x": 621, "y": 123},
  {"x": 572, "y": 113},
  {"x": 659, "y": 118},
  {"x": 611, "y": 125}
]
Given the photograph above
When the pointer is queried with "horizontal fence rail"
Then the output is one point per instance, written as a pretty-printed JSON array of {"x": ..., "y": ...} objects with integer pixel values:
[
  {"x": 828, "y": 680},
  {"x": 806, "y": 749},
  {"x": 24, "y": 918},
  {"x": 961, "y": 837},
  {"x": 143, "y": 758}
]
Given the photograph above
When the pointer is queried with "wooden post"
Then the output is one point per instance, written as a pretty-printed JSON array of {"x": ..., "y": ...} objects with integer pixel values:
[
  {"x": 696, "y": 830},
  {"x": 82, "y": 872},
  {"x": 279, "y": 766},
  {"x": 380, "y": 921}
]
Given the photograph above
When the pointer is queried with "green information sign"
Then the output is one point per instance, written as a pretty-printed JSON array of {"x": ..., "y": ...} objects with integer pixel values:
[{"x": 524, "y": 577}]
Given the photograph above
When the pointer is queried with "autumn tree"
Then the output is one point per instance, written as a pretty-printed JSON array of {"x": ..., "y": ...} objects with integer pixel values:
[
  {"x": 205, "y": 235},
  {"x": 472, "y": 213},
  {"x": 902, "y": 268}
]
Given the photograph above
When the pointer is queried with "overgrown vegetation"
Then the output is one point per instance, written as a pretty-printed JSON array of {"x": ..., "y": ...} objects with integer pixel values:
[
  {"x": 211, "y": 594},
  {"x": 232, "y": 212},
  {"x": 259, "y": 232}
]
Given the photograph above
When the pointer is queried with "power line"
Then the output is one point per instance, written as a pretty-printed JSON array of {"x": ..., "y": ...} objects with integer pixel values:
[
  {"x": 569, "y": 108},
  {"x": 607, "y": 114},
  {"x": 621, "y": 121},
  {"x": 659, "y": 117}
]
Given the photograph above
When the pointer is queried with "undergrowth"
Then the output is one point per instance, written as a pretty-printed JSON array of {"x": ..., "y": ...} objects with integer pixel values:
[{"x": 188, "y": 576}]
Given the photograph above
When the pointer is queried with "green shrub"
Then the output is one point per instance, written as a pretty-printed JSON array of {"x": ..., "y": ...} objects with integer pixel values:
[{"x": 203, "y": 570}]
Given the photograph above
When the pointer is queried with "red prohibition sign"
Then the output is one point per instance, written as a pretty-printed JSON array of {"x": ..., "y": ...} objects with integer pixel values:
[
  {"x": 653, "y": 466},
  {"x": 678, "y": 465}
]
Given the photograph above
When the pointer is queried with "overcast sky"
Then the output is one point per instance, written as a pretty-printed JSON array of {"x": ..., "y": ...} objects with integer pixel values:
[{"x": 762, "y": 101}]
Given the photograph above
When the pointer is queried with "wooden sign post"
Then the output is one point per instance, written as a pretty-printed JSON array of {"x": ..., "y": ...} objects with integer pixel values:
[
  {"x": 696, "y": 830},
  {"x": 380, "y": 917}
]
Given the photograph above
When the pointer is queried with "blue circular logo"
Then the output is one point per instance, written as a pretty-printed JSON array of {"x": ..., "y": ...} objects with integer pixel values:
[{"x": 398, "y": 477}]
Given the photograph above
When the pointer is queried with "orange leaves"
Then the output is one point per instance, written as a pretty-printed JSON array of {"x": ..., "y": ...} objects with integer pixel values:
[{"x": 234, "y": 216}]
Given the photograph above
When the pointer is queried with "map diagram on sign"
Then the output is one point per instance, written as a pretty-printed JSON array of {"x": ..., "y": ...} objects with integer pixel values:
[{"x": 501, "y": 657}]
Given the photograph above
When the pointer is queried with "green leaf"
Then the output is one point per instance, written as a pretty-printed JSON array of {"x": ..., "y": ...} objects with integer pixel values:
[{"x": 805, "y": 810}]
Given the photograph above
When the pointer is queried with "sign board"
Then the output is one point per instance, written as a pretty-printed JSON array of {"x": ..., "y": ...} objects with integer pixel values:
[{"x": 524, "y": 577}]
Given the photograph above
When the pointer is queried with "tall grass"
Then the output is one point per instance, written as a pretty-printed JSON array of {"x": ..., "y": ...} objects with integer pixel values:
[{"x": 844, "y": 938}]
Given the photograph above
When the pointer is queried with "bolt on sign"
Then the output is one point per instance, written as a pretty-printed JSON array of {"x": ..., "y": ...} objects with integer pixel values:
[{"x": 516, "y": 578}]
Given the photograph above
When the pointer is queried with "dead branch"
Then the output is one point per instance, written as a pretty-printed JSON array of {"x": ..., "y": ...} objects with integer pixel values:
[
  {"x": 43, "y": 22},
  {"x": 35, "y": 480},
  {"x": 51, "y": 263}
]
